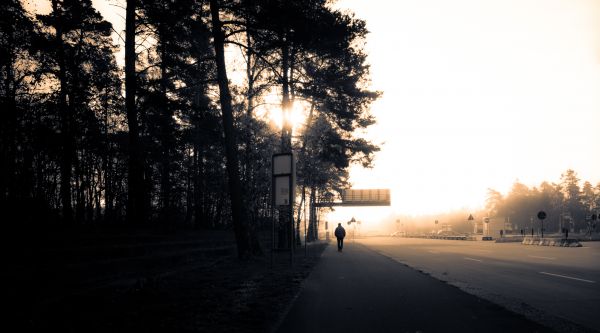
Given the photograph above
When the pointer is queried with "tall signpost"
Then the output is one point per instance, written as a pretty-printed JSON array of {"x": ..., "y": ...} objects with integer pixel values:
[
  {"x": 542, "y": 216},
  {"x": 283, "y": 192}
]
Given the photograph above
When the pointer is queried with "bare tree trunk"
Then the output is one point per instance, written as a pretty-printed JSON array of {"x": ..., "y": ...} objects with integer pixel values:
[
  {"x": 189, "y": 194},
  {"x": 312, "y": 219},
  {"x": 299, "y": 219},
  {"x": 238, "y": 209},
  {"x": 66, "y": 163},
  {"x": 135, "y": 196},
  {"x": 286, "y": 130},
  {"x": 166, "y": 137},
  {"x": 200, "y": 205},
  {"x": 249, "y": 73},
  {"x": 8, "y": 127}
]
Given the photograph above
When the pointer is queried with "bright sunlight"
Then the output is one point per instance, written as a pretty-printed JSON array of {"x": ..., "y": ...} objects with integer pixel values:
[
  {"x": 273, "y": 112},
  {"x": 477, "y": 95}
]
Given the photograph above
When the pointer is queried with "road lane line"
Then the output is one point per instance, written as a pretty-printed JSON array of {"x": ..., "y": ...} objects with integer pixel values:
[
  {"x": 549, "y": 258},
  {"x": 434, "y": 252},
  {"x": 467, "y": 258},
  {"x": 568, "y": 277}
]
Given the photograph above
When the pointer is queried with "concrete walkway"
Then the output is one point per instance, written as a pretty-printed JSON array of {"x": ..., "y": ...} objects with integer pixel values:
[{"x": 359, "y": 290}]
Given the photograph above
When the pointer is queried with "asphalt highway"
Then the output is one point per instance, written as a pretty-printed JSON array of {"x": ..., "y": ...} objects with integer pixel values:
[
  {"x": 360, "y": 290},
  {"x": 551, "y": 285}
]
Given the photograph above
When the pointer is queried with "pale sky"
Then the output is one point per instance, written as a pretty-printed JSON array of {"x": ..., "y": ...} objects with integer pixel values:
[{"x": 478, "y": 94}]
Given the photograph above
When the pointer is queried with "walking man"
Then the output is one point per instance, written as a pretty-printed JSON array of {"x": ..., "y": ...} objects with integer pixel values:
[{"x": 340, "y": 233}]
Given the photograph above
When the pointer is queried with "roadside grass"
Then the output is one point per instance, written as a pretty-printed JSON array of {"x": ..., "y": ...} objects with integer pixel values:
[{"x": 145, "y": 281}]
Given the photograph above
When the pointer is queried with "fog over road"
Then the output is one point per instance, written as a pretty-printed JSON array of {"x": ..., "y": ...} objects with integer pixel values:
[{"x": 539, "y": 281}]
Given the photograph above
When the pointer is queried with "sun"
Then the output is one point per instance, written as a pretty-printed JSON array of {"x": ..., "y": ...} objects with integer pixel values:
[{"x": 274, "y": 115}]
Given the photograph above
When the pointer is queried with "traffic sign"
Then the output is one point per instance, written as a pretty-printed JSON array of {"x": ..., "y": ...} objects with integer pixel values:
[
  {"x": 541, "y": 215},
  {"x": 283, "y": 179}
]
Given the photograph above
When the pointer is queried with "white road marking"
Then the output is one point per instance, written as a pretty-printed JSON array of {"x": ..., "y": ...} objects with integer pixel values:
[
  {"x": 540, "y": 257},
  {"x": 467, "y": 258},
  {"x": 568, "y": 277},
  {"x": 434, "y": 252}
]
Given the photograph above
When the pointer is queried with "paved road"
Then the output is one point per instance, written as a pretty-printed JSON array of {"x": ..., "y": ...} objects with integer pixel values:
[
  {"x": 361, "y": 290},
  {"x": 545, "y": 283}
]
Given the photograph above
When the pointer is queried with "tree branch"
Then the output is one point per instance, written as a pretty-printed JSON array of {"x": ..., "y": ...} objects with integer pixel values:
[{"x": 273, "y": 68}]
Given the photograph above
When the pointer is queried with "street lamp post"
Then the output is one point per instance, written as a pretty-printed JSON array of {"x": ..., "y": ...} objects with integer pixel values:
[{"x": 531, "y": 220}]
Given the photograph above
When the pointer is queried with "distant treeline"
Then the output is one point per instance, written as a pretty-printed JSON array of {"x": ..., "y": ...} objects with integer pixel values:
[
  {"x": 168, "y": 139},
  {"x": 566, "y": 203}
]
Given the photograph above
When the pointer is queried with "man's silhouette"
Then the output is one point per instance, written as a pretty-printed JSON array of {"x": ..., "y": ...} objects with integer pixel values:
[{"x": 340, "y": 233}]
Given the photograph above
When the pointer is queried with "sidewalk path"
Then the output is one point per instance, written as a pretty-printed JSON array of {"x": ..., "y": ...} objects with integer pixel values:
[{"x": 360, "y": 290}]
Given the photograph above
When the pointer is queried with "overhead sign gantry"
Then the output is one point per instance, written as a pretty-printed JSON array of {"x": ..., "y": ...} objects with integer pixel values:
[{"x": 360, "y": 197}]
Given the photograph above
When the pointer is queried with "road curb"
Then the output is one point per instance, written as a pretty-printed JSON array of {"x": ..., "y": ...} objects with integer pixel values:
[{"x": 275, "y": 327}]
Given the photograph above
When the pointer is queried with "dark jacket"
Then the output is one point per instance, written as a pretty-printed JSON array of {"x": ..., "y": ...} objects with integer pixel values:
[{"x": 340, "y": 232}]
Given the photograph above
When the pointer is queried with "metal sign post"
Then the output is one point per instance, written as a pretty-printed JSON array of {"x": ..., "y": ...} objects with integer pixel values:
[
  {"x": 283, "y": 191},
  {"x": 542, "y": 216}
]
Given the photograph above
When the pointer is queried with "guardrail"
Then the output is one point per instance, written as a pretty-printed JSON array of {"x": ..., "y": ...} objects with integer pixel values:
[{"x": 562, "y": 242}]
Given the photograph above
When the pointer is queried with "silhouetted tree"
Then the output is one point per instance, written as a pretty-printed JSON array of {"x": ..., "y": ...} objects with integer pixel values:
[
  {"x": 245, "y": 245},
  {"x": 572, "y": 197},
  {"x": 588, "y": 197},
  {"x": 78, "y": 55},
  {"x": 136, "y": 194},
  {"x": 163, "y": 150},
  {"x": 17, "y": 32},
  {"x": 566, "y": 204}
]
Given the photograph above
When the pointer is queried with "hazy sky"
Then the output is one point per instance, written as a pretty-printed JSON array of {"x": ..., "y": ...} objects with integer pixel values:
[{"x": 478, "y": 94}]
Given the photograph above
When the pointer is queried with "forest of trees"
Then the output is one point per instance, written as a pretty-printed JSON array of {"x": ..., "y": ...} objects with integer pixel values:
[
  {"x": 570, "y": 203},
  {"x": 167, "y": 139},
  {"x": 567, "y": 204}
]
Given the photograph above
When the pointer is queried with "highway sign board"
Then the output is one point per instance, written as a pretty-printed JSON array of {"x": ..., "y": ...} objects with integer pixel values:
[{"x": 366, "y": 197}]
